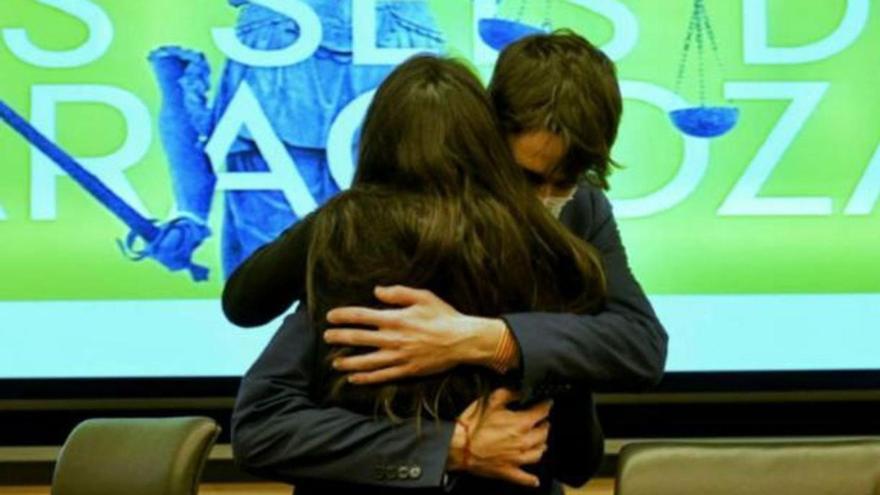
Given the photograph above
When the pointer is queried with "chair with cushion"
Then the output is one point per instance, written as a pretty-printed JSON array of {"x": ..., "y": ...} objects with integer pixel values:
[
  {"x": 754, "y": 468},
  {"x": 135, "y": 456}
]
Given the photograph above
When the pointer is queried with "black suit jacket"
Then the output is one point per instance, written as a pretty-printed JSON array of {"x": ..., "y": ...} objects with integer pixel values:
[{"x": 279, "y": 431}]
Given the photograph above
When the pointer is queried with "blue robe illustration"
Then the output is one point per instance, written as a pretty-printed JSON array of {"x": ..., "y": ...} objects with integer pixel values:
[{"x": 301, "y": 102}]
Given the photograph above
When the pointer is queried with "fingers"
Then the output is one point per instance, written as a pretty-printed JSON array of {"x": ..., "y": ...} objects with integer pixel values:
[
  {"x": 356, "y": 315},
  {"x": 367, "y": 362},
  {"x": 520, "y": 477},
  {"x": 358, "y": 338},
  {"x": 536, "y": 437},
  {"x": 401, "y": 295},
  {"x": 531, "y": 456},
  {"x": 539, "y": 412},
  {"x": 379, "y": 376},
  {"x": 501, "y": 397}
]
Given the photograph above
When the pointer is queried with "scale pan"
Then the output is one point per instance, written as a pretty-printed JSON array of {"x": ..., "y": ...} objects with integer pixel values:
[
  {"x": 705, "y": 122},
  {"x": 498, "y": 33}
]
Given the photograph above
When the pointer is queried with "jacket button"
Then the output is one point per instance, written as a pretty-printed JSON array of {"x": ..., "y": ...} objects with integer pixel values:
[
  {"x": 379, "y": 473},
  {"x": 415, "y": 472},
  {"x": 391, "y": 472},
  {"x": 403, "y": 472}
]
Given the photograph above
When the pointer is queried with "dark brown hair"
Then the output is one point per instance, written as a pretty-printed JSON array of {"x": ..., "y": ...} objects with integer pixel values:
[
  {"x": 560, "y": 82},
  {"x": 439, "y": 204}
]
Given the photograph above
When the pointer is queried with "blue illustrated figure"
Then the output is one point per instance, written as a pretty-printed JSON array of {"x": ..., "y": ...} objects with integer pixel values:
[
  {"x": 170, "y": 243},
  {"x": 300, "y": 101}
]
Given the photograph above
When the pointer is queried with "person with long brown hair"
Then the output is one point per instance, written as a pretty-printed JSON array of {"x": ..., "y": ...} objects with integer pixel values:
[
  {"x": 559, "y": 104},
  {"x": 285, "y": 432},
  {"x": 439, "y": 203}
]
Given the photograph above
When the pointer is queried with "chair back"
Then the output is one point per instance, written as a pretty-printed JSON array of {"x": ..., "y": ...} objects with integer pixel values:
[
  {"x": 135, "y": 456},
  {"x": 755, "y": 468}
]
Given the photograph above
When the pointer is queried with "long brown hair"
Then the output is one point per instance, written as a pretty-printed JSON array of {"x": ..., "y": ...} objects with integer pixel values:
[{"x": 438, "y": 203}]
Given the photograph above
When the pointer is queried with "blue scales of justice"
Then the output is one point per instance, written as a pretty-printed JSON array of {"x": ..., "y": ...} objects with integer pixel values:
[
  {"x": 498, "y": 31},
  {"x": 701, "y": 121}
]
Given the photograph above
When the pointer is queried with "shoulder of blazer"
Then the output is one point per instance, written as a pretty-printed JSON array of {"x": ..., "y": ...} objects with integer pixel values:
[{"x": 581, "y": 214}]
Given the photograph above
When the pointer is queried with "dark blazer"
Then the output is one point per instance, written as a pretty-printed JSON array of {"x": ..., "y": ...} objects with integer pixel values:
[{"x": 279, "y": 431}]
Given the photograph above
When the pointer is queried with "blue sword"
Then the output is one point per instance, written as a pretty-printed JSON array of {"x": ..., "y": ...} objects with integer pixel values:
[{"x": 171, "y": 243}]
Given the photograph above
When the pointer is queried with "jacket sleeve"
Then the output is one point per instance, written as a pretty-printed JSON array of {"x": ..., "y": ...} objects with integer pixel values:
[
  {"x": 270, "y": 280},
  {"x": 575, "y": 444},
  {"x": 280, "y": 432},
  {"x": 623, "y": 348}
]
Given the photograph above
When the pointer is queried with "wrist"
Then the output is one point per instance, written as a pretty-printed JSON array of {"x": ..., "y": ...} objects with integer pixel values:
[
  {"x": 457, "y": 449},
  {"x": 484, "y": 335}
]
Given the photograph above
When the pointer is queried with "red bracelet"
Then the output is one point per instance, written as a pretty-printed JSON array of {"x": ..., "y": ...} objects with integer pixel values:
[{"x": 467, "y": 444}]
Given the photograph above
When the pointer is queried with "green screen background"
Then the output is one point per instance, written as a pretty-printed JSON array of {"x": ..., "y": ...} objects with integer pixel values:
[{"x": 688, "y": 249}]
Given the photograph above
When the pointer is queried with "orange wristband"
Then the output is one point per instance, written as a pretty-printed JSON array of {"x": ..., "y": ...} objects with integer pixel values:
[{"x": 505, "y": 353}]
